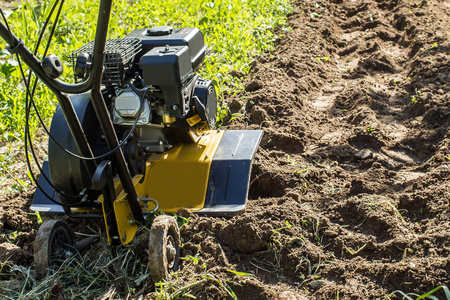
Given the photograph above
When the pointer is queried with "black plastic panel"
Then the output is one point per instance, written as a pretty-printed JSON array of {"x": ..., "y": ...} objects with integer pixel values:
[{"x": 229, "y": 178}]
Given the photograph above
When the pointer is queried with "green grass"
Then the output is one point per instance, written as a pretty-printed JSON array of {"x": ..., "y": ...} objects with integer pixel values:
[
  {"x": 428, "y": 295},
  {"x": 235, "y": 30},
  {"x": 121, "y": 273},
  {"x": 90, "y": 276}
]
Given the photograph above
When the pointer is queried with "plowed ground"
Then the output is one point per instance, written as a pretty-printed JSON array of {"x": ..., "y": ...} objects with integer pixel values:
[{"x": 350, "y": 193}]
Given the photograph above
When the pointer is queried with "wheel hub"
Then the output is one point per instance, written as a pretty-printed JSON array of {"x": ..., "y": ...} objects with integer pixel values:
[{"x": 171, "y": 252}]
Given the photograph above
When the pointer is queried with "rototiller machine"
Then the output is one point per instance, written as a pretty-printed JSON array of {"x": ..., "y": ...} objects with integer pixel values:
[{"x": 132, "y": 137}]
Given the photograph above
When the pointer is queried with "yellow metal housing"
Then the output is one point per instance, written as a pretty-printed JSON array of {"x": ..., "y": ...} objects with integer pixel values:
[
  {"x": 179, "y": 178},
  {"x": 176, "y": 179}
]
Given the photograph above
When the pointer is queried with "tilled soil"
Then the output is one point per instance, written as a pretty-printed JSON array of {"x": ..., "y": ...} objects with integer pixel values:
[
  {"x": 350, "y": 188},
  {"x": 8, "y": 4}
]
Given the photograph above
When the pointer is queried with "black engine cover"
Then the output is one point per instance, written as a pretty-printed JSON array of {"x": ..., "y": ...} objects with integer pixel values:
[{"x": 190, "y": 37}]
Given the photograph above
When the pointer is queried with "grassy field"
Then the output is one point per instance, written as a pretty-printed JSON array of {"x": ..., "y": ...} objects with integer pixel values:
[{"x": 235, "y": 31}]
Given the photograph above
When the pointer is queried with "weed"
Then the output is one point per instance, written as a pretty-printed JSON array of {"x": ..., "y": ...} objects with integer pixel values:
[
  {"x": 239, "y": 273},
  {"x": 321, "y": 165},
  {"x": 10, "y": 237},
  {"x": 38, "y": 216},
  {"x": 288, "y": 225},
  {"x": 301, "y": 171},
  {"x": 352, "y": 252},
  {"x": 182, "y": 291},
  {"x": 191, "y": 258},
  {"x": 429, "y": 295}
]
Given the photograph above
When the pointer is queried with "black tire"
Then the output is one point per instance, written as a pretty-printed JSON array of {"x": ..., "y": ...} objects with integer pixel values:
[
  {"x": 164, "y": 247},
  {"x": 53, "y": 245}
]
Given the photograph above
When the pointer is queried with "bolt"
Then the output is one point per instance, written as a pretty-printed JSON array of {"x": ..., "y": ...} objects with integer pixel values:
[
  {"x": 174, "y": 107},
  {"x": 85, "y": 198}
]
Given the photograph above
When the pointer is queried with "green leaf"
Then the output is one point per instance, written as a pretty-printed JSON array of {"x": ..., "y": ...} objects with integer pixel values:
[
  {"x": 239, "y": 273},
  {"x": 190, "y": 257},
  {"x": 428, "y": 295}
]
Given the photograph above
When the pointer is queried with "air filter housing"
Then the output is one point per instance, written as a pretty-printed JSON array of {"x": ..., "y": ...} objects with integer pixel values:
[{"x": 169, "y": 68}]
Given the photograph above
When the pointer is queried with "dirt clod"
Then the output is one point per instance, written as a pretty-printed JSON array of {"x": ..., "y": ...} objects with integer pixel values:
[{"x": 11, "y": 253}]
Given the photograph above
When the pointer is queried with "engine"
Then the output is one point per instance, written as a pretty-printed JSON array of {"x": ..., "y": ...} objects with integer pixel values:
[
  {"x": 150, "y": 83},
  {"x": 155, "y": 99}
]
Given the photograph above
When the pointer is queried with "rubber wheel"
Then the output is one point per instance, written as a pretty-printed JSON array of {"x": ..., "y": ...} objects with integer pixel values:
[
  {"x": 53, "y": 245},
  {"x": 164, "y": 247}
]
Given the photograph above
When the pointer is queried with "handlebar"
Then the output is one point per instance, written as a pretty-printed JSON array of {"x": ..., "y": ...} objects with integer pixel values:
[
  {"x": 16, "y": 45},
  {"x": 93, "y": 83}
]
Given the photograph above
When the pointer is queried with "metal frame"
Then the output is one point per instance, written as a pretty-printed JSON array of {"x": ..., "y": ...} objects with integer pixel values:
[{"x": 93, "y": 83}]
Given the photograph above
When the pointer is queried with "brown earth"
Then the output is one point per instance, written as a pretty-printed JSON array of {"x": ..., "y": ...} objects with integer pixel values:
[
  {"x": 350, "y": 188},
  {"x": 8, "y": 4}
]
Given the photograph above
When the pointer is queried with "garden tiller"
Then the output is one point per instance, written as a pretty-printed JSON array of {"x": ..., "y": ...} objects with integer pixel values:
[{"x": 133, "y": 136}]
